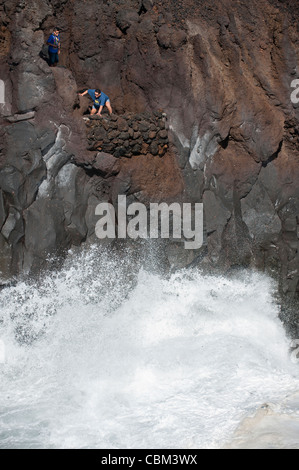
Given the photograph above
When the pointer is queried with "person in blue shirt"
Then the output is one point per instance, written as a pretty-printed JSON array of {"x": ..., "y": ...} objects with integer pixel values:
[
  {"x": 54, "y": 47},
  {"x": 99, "y": 101}
]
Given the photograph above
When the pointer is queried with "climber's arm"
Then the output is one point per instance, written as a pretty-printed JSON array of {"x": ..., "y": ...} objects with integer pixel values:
[{"x": 50, "y": 42}]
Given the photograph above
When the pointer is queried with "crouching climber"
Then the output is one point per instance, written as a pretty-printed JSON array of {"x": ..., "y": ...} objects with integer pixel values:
[{"x": 99, "y": 101}]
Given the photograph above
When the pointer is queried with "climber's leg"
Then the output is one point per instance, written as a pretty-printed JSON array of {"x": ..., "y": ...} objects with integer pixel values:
[{"x": 108, "y": 104}]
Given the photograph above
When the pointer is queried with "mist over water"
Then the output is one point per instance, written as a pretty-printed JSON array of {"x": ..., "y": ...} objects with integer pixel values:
[{"x": 98, "y": 356}]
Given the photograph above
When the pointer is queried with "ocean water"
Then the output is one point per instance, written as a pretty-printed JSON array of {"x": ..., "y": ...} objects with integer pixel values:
[{"x": 98, "y": 357}]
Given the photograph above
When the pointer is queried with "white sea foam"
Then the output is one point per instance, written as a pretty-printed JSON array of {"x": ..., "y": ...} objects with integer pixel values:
[{"x": 97, "y": 360}]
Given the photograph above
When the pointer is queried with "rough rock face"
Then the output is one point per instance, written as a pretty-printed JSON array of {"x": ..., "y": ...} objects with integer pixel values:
[
  {"x": 128, "y": 134},
  {"x": 221, "y": 72}
]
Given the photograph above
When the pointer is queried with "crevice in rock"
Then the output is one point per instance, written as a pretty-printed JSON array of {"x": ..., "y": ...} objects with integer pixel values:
[
  {"x": 48, "y": 148},
  {"x": 142, "y": 10},
  {"x": 41, "y": 23},
  {"x": 224, "y": 143},
  {"x": 274, "y": 156}
]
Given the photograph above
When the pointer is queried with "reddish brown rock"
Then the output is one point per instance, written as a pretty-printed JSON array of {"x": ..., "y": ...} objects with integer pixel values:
[
  {"x": 106, "y": 164},
  {"x": 157, "y": 179}
]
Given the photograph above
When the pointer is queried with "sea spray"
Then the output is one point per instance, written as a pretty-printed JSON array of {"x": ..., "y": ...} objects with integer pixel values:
[{"x": 100, "y": 356}]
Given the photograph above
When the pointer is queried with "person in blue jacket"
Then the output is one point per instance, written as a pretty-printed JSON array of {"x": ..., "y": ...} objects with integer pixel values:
[
  {"x": 99, "y": 101},
  {"x": 54, "y": 47}
]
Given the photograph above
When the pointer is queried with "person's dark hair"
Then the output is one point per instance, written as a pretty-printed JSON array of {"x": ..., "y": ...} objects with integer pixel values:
[
  {"x": 56, "y": 29},
  {"x": 98, "y": 91}
]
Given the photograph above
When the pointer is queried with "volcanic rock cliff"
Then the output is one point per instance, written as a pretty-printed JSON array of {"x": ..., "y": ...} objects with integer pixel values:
[{"x": 220, "y": 75}]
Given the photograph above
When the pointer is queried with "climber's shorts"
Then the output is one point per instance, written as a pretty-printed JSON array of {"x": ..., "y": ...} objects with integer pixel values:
[{"x": 103, "y": 102}]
